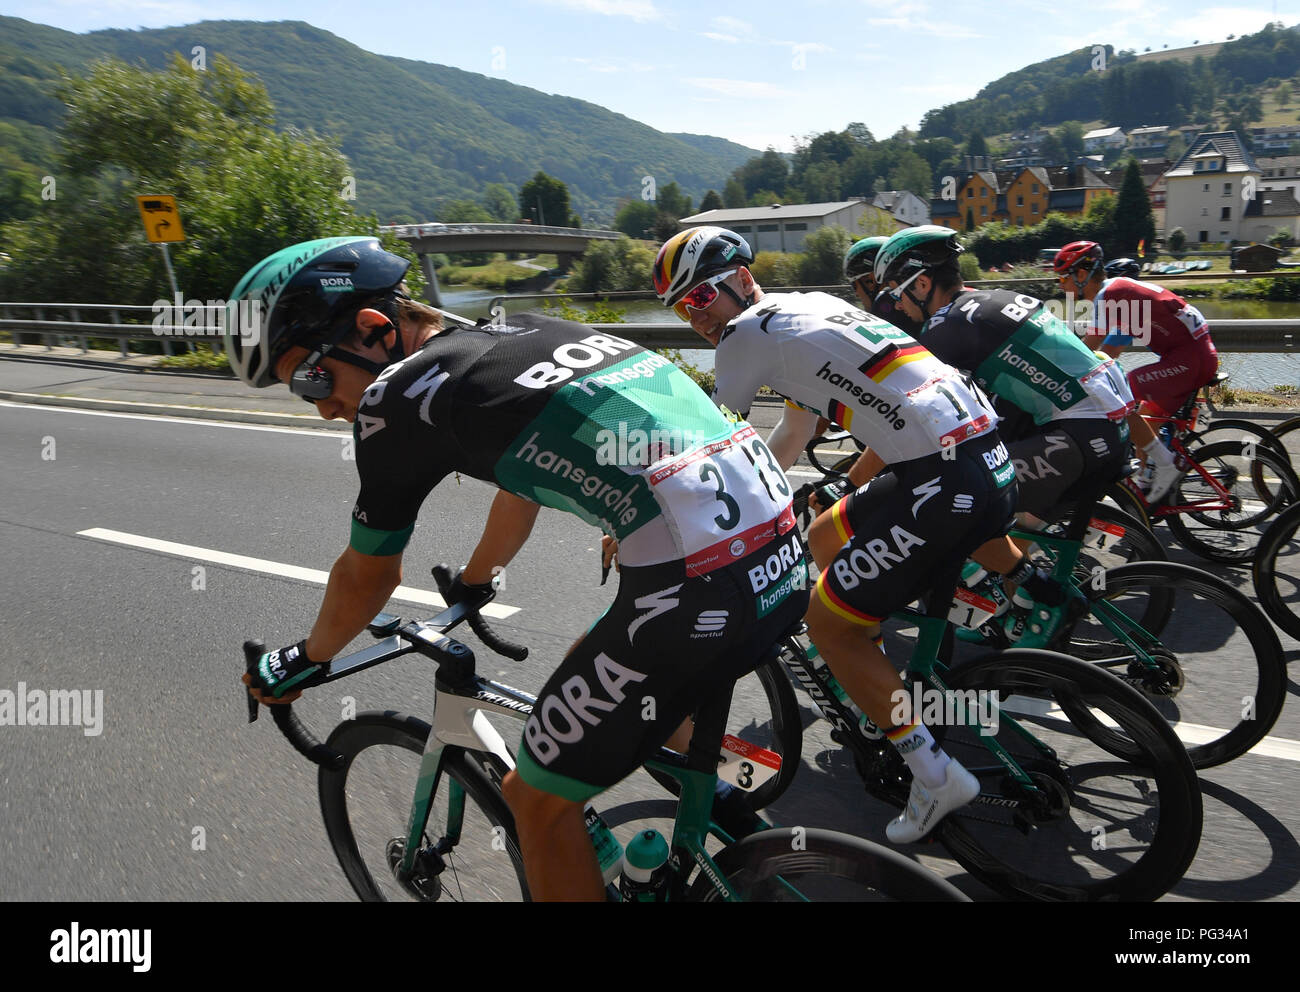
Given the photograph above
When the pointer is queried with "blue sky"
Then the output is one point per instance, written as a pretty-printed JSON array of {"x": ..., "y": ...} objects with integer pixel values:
[{"x": 759, "y": 73}]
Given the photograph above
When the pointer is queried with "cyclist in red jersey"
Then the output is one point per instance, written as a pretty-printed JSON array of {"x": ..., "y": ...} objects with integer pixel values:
[{"x": 1127, "y": 312}]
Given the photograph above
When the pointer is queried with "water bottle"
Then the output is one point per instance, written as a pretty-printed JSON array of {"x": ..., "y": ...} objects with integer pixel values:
[
  {"x": 645, "y": 868},
  {"x": 609, "y": 852},
  {"x": 1022, "y": 604},
  {"x": 865, "y": 724}
]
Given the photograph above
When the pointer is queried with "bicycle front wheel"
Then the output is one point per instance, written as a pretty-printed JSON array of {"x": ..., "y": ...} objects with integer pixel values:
[
  {"x": 1215, "y": 672},
  {"x": 804, "y": 864},
  {"x": 1231, "y": 534},
  {"x": 1276, "y": 571},
  {"x": 1086, "y": 826},
  {"x": 468, "y": 852}
]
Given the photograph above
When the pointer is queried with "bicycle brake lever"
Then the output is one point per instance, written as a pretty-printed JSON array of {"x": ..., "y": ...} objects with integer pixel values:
[{"x": 253, "y": 651}]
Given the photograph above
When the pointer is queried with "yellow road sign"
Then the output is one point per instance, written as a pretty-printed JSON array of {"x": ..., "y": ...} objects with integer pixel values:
[{"x": 162, "y": 221}]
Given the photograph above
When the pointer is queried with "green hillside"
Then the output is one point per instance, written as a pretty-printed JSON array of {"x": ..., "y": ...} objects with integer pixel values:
[{"x": 418, "y": 135}]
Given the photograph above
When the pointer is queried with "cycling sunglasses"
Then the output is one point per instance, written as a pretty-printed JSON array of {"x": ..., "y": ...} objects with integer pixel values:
[
  {"x": 313, "y": 382},
  {"x": 701, "y": 297}
]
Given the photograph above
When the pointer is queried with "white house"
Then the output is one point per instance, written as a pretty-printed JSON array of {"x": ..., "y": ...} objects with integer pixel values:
[
  {"x": 782, "y": 227},
  {"x": 1207, "y": 190},
  {"x": 1280, "y": 173},
  {"x": 904, "y": 205},
  {"x": 1268, "y": 213},
  {"x": 1103, "y": 139}
]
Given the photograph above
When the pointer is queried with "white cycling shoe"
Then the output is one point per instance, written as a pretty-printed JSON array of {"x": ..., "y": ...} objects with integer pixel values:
[
  {"x": 927, "y": 806},
  {"x": 1163, "y": 481}
]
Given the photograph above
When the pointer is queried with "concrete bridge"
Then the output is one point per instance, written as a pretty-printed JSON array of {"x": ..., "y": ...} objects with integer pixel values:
[{"x": 566, "y": 243}]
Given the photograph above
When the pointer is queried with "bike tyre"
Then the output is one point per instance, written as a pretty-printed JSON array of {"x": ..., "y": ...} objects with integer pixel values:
[{"x": 371, "y": 729}]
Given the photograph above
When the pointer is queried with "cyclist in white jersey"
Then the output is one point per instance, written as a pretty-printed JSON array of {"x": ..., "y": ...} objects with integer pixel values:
[{"x": 950, "y": 486}]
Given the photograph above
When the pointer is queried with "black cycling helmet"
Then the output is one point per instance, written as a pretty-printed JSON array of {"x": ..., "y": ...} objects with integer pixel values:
[
  {"x": 306, "y": 295},
  {"x": 1123, "y": 267}
]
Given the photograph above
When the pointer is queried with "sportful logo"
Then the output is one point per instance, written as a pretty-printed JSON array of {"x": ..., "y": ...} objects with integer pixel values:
[
  {"x": 962, "y": 503},
  {"x": 711, "y": 623}
]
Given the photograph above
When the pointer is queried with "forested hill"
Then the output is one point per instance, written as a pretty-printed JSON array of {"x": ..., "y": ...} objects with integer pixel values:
[
  {"x": 417, "y": 134},
  {"x": 1121, "y": 89}
]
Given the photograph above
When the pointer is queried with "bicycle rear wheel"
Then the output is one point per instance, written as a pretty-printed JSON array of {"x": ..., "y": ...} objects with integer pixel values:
[
  {"x": 1276, "y": 571},
  {"x": 798, "y": 864},
  {"x": 1092, "y": 828},
  {"x": 1219, "y": 677},
  {"x": 1231, "y": 535},
  {"x": 469, "y": 851},
  {"x": 764, "y": 712}
]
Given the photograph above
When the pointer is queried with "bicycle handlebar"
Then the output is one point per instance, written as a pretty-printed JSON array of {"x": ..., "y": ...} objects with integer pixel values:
[
  {"x": 515, "y": 652},
  {"x": 302, "y": 739}
]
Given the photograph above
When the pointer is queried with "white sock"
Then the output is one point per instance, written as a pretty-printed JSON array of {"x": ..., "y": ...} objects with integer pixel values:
[
  {"x": 1158, "y": 453},
  {"x": 916, "y": 744}
]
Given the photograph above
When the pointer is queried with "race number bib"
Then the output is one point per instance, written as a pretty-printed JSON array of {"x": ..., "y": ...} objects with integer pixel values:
[{"x": 723, "y": 499}]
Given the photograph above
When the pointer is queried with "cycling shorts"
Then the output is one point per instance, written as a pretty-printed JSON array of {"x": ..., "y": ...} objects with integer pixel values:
[
  {"x": 666, "y": 644},
  {"x": 1050, "y": 462},
  {"x": 909, "y": 524},
  {"x": 1169, "y": 382}
]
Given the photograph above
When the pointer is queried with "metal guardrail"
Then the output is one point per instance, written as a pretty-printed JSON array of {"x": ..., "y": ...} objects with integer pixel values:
[
  {"x": 432, "y": 229},
  {"x": 55, "y": 323}
]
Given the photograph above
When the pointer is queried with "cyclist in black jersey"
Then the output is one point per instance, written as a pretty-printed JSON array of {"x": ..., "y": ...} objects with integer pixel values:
[
  {"x": 859, "y": 270},
  {"x": 552, "y": 413},
  {"x": 1074, "y": 402}
]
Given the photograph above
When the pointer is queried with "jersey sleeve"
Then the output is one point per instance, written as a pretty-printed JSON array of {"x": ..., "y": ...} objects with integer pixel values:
[
  {"x": 735, "y": 381},
  {"x": 394, "y": 479},
  {"x": 1110, "y": 318}
]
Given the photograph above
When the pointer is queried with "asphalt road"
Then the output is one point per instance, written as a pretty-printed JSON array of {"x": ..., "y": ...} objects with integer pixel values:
[{"x": 177, "y": 798}]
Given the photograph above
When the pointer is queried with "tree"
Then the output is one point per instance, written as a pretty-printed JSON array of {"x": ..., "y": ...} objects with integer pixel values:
[
  {"x": 1282, "y": 94},
  {"x": 1134, "y": 221},
  {"x": 1071, "y": 136},
  {"x": 1052, "y": 150},
  {"x": 733, "y": 194},
  {"x": 1177, "y": 242},
  {"x": 244, "y": 190},
  {"x": 823, "y": 256},
  {"x": 636, "y": 219},
  {"x": 976, "y": 145},
  {"x": 546, "y": 200},
  {"x": 911, "y": 173},
  {"x": 464, "y": 212},
  {"x": 764, "y": 172},
  {"x": 611, "y": 266},
  {"x": 672, "y": 201},
  {"x": 711, "y": 201},
  {"x": 500, "y": 203},
  {"x": 860, "y": 133}
]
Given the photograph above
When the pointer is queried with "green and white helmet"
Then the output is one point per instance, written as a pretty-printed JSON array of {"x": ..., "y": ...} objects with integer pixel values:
[
  {"x": 914, "y": 250},
  {"x": 860, "y": 259},
  {"x": 300, "y": 296}
]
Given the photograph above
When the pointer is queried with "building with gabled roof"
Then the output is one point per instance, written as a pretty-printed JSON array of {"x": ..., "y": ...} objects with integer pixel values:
[
  {"x": 783, "y": 227},
  {"x": 1208, "y": 190}
]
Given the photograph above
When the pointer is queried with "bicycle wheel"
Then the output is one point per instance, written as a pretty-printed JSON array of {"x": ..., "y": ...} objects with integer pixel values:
[
  {"x": 1125, "y": 499},
  {"x": 764, "y": 712},
  {"x": 1093, "y": 827},
  {"x": 1241, "y": 432},
  {"x": 1220, "y": 677},
  {"x": 1115, "y": 538},
  {"x": 1276, "y": 570},
  {"x": 1231, "y": 535},
  {"x": 798, "y": 864},
  {"x": 469, "y": 854}
]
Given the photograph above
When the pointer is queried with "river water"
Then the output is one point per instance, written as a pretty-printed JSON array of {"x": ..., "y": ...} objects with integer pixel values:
[{"x": 1258, "y": 371}]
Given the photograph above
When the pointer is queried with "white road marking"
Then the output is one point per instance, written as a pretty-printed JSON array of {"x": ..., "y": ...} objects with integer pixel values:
[
  {"x": 1188, "y": 733},
  {"x": 191, "y": 421},
  {"x": 405, "y": 593}
]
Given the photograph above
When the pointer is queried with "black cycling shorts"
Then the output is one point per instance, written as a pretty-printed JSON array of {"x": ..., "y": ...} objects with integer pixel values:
[
  {"x": 1050, "y": 462},
  {"x": 666, "y": 644},
  {"x": 906, "y": 526}
]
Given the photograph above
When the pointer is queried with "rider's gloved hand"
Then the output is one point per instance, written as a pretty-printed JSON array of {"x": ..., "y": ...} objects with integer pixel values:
[
  {"x": 273, "y": 678},
  {"x": 475, "y": 596},
  {"x": 831, "y": 491}
]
